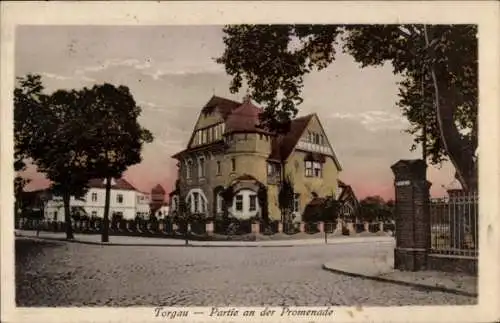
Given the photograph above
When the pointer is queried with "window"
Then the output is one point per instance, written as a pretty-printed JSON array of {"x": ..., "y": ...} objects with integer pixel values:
[
  {"x": 270, "y": 169},
  {"x": 201, "y": 167},
  {"x": 253, "y": 202},
  {"x": 239, "y": 203},
  {"x": 119, "y": 198},
  {"x": 204, "y": 136},
  {"x": 296, "y": 202},
  {"x": 218, "y": 168},
  {"x": 195, "y": 198},
  {"x": 202, "y": 204},
  {"x": 309, "y": 168},
  {"x": 94, "y": 197},
  {"x": 321, "y": 140},
  {"x": 55, "y": 215},
  {"x": 317, "y": 169},
  {"x": 188, "y": 169},
  {"x": 220, "y": 202},
  {"x": 94, "y": 214},
  {"x": 233, "y": 164}
]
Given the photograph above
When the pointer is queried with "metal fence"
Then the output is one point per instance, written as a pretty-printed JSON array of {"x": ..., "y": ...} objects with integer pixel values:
[{"x": 454, "y": 224}]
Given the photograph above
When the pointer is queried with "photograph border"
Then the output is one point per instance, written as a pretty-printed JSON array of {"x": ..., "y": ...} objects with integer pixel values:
[{"x": 483, "y": 13}]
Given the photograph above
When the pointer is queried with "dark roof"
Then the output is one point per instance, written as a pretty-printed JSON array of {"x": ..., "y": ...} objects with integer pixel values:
[
  {"x": 245, "y": 177},
  {"x": 282, "y": 146},
  {"x": 244, "y": 118},
  {"x": 215, "y": 144},
  {"x": 158, "y": 189},
  {"x": 347, "y": 193},
  {"x": 222, "y": 105},
  {"x": 120, "y": 184}
]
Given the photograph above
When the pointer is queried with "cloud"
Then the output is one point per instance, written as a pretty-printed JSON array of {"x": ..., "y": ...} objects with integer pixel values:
[
  {"x": 59, "y": 77},
  {"x": 183, "y": 70},
  {"x": 133, "y": 63},
  {"x": 375, "y": 120},
  {"x": 55, "y": 76}
]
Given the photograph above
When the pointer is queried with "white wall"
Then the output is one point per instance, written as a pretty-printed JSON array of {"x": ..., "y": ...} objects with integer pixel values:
[
  {"x": 162, "y": 212},
  {"x": 245, "y": 213},
  {"x": 128, "y": 205}
]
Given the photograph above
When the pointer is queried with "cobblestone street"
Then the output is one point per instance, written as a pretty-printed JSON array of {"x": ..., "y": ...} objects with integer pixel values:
[{"x": 72, "y": 274}]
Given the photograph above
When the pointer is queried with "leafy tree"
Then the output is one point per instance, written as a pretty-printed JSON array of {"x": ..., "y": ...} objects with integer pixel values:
[
  {"x": 321, "y": 209},
  {"x": 285, "y": 199},
  {"x": 227, "y": 196},
  {"x": 375, "y": 208},
  {"x": 437, "y": 64},
  {"x": 47, "y": 130},
  {"x": 263, "y": 202},
  {"x": 115, "y": 135}
]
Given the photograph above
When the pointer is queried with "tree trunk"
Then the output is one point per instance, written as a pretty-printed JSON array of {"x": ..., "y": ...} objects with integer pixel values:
[
  {"x": 67, "y": 216},
  {"x": 105, "y": 225},
  {"x": 460, "y": 151}
]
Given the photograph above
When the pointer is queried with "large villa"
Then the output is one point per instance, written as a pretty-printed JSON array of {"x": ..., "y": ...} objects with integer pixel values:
[{"x": 227, "y": 148}]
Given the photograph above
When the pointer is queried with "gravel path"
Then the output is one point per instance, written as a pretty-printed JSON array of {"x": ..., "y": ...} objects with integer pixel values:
[{"x": 71, "y": 274}]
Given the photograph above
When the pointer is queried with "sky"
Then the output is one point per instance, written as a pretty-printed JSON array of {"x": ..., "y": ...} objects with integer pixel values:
[{"x": 171, "y": 72}]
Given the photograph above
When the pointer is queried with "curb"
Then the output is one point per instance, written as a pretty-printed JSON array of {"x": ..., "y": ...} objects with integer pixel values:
[
  {"x": 229, "y": 245},
  {"x": 401, "y": 283}
]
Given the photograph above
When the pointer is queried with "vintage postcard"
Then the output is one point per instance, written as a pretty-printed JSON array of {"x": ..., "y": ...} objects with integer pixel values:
[{"x": 250, "y": 161}]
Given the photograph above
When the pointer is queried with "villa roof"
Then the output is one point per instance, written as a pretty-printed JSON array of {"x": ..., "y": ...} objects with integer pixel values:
[
  {"x": 118, "y": 184},
  {"x": 244, "y": 118},
  {"x": 224, "y": 106},
  {"x": 282, "y": 146}
]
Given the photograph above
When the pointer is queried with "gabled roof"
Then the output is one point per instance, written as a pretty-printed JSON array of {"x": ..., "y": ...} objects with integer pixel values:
[
  {"x": 347, "y": 194},
  {"x": 282, "y": 146},
  {"x": 119, "y": 184},
  {"x": 244, "y": 117}
]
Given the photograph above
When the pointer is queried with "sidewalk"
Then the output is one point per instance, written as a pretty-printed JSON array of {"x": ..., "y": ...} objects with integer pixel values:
[
  {"x": 144, "y": 241},
  {"x": 380, "y": 268}
]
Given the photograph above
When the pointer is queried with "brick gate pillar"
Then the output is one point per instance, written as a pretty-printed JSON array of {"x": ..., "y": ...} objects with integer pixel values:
[{"x": 412, "y": 215}]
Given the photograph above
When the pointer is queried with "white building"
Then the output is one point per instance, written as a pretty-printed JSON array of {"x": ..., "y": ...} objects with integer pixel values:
[
  {"x": 125, "y": 200},
  {"x": 142, "y": 204}
]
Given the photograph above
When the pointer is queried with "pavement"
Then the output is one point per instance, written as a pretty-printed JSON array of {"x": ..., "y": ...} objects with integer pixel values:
[
  {"x": 375, "y": 266},
  {"x": 169, "y": 242},
  {"x": 381, "y": 268},
  {"x": 58, "y": 273}
]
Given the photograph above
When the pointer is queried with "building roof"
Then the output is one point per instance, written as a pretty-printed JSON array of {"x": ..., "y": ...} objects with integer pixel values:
[
  {"x": 347, "y": 193},
  {"x": 118, "y": 184},
  {"x": 282, "y": 146},
  {"x": 222, "y": 105},
  {"x": 158, "y": 189},
  {"x": 244, "y": 118}
]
